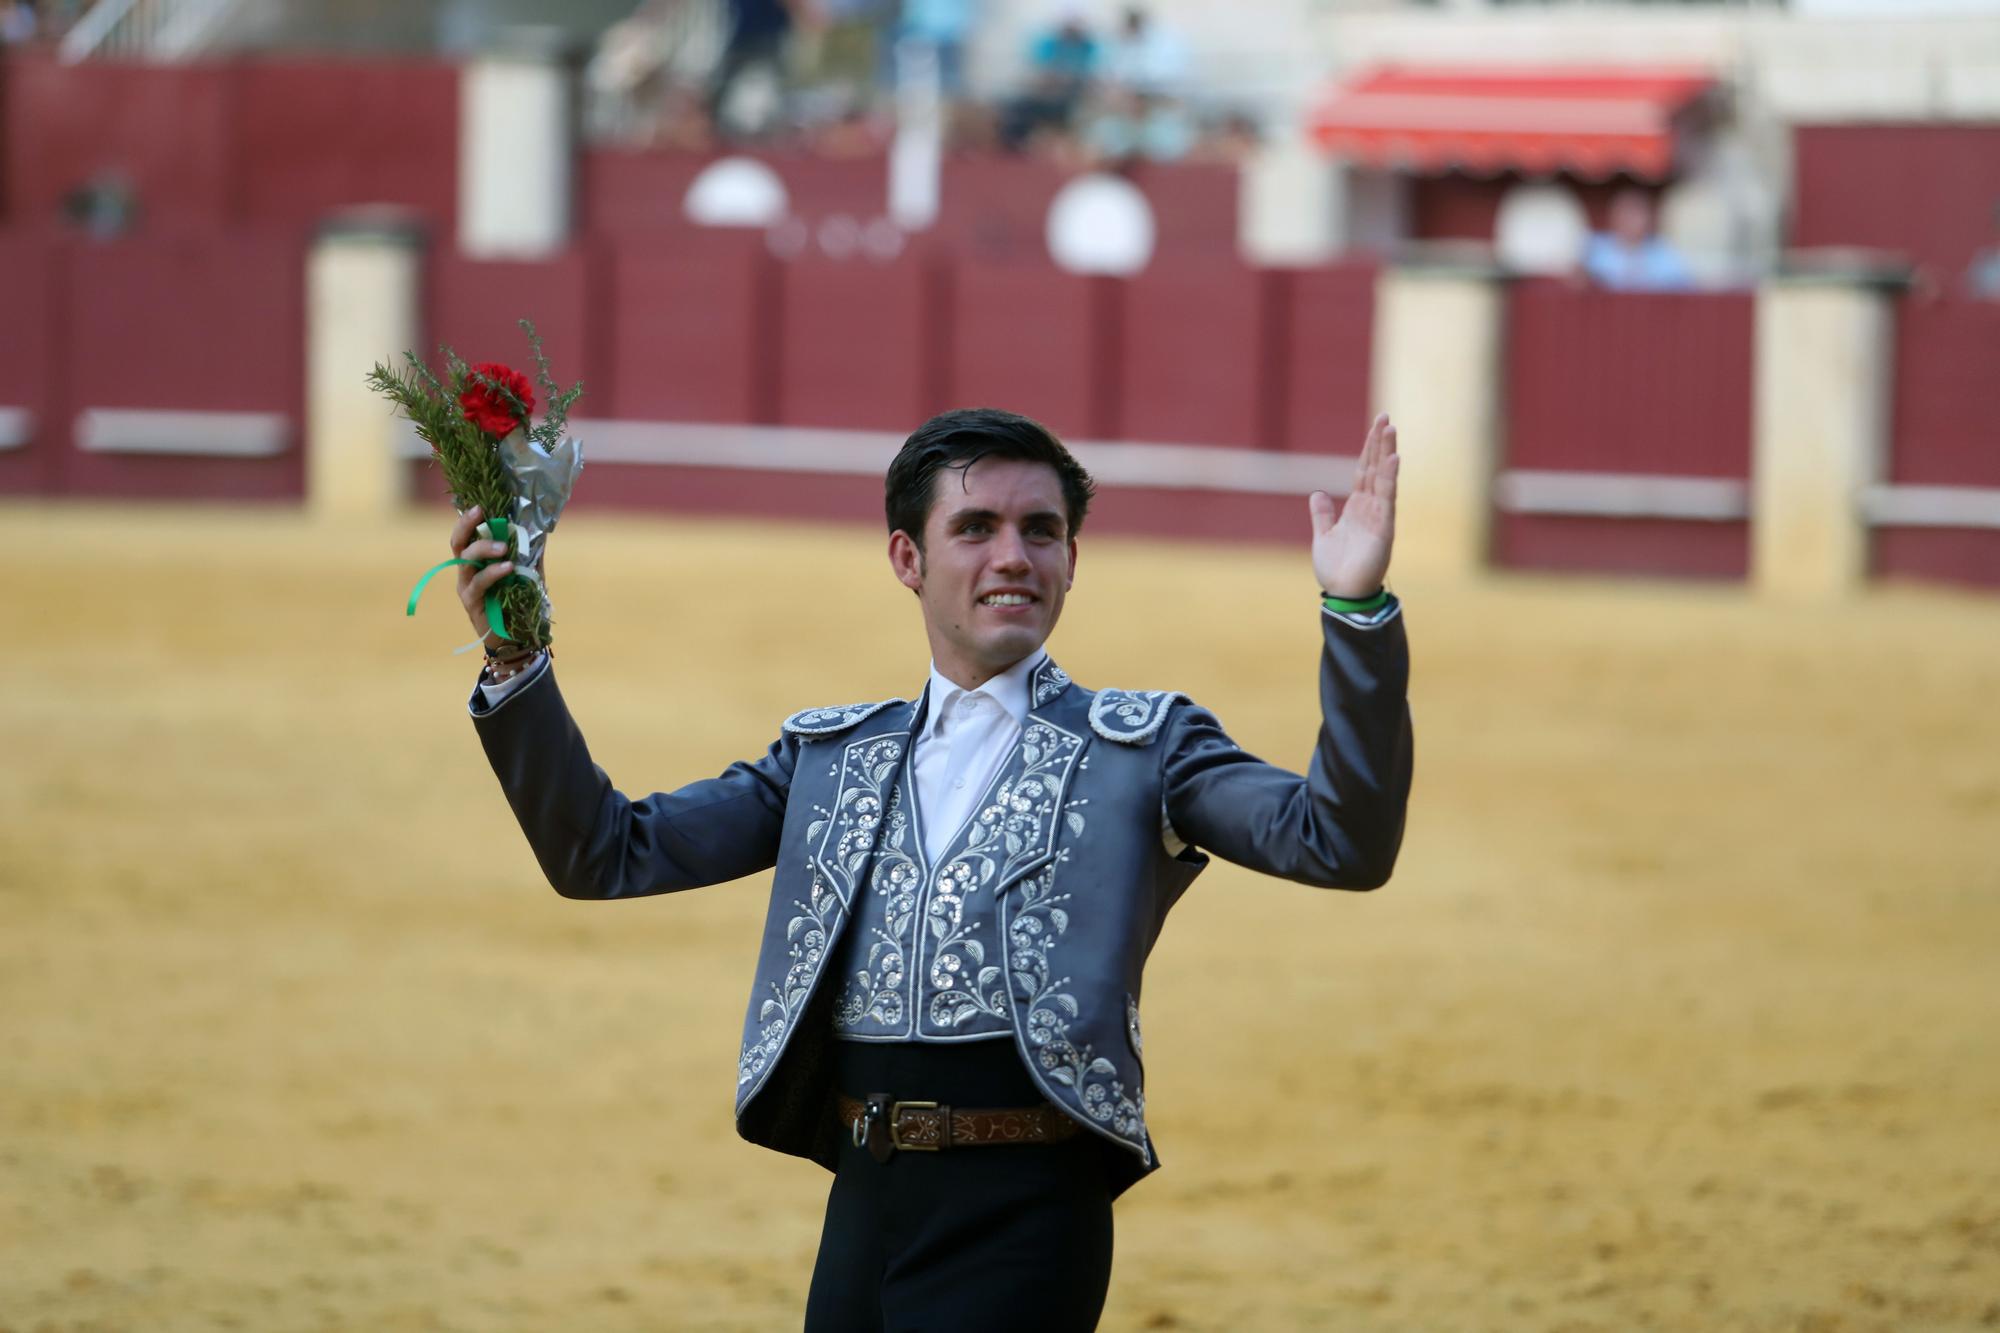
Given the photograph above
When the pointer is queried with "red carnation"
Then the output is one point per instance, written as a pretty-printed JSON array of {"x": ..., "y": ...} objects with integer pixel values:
[{"x": 489, "y": 409}]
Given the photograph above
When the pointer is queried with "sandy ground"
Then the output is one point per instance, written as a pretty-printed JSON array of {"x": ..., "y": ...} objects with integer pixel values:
[{"x": 1681, "y": 1012}]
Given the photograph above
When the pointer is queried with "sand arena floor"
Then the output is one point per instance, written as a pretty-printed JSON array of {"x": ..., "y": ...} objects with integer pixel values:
[{"x": 1682, "y": 1011}]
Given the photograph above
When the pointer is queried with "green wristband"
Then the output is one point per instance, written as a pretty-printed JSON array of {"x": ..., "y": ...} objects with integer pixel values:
[{"x": 1349, "y": 608}]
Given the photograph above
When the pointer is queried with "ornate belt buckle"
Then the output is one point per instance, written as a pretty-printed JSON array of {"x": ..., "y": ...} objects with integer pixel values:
[{"x": 896, "y": 1139}]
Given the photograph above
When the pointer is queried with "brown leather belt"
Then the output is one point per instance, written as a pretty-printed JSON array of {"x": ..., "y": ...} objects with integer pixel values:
[{"x": 884, "y": 1125}]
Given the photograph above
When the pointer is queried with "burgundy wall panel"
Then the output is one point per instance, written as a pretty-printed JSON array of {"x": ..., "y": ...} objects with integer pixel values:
[
  {"x": 1945, "y": 422},
  {"x": 163, "y": 129},
  {"x": 1944, "y": 431},
  {"x": 209, "y": 323},
  {"x": 1676, "y": 548},
  {"x": 473, "y": 306},
  {"x": 1628, "y": 382},
  {"x": 1947, "y": 555},
  {"x": 629, "y": 191},
  {"x": 1193, "y": 345},
  {"x": 1329, "y": 314},
  {"x": 1194, "y": 206},
  {"x": 1028, "y": 337},
  {"x": 1925, "y": 191},
  {"x": 860, "y": 343},
  {"x": 310, "y": 137},
  {"x": 31, "y": 293},
  {"x": 692, "y": 321},
  {"x": 994, "y": 206}
]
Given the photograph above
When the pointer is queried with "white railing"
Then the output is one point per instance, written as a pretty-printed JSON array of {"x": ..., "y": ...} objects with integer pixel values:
[{"x": 163, "y": 30}]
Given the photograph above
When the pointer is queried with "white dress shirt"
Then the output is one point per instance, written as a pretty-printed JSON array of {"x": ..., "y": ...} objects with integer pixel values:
[{"x": 967, "y": 736}]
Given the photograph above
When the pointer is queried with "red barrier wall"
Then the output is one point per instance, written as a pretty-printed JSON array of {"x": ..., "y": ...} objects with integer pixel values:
[
  {"x": 31, "y": 270},
  {"x": 1622, "y": 382},
  {"x": 861, "y": 345},
  {"x": 1925, "y": 191},
  {"x": 1328, "y": 317},
  {"x": 162, "y": 129},
  {"x": 1945, "y": 431},
  {"x": 1194, "y": 340},
  {"x": 1030, "y": 338},
  {"x": 209, "y": 323},
  {"x": 992, "y": 206},
  {"x": 311, "y": 137},
  {"x": 691, "y": 325},
  {"x": 256, "y": 143}
]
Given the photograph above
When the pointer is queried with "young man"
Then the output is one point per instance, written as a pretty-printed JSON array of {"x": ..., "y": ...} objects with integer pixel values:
[{"x": 946, "y": 1004}]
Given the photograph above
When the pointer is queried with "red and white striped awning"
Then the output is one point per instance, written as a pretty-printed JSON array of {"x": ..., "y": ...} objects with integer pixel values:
[{"x": 1587, "y": 121}]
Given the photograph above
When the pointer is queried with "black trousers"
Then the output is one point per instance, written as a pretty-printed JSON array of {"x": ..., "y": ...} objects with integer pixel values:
[{"x": 971, "y": 1239}]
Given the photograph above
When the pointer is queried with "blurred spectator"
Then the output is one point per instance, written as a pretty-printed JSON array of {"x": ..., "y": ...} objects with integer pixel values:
[
  {"x": 18, "y": 23},
  {"x": 841, "y": 58},
  {"x": 1146, "y": 58},
  {"x": 945, "y": 25},
  {"x": 1062, "y": 61},
  {"x": 1232, "y": 139},
  {"x": 758, "y": 31},
  {"x": 1128, "y": 125},
  {"x": 1982, "y": 275},
  {"x": 1630, "y": 256}
]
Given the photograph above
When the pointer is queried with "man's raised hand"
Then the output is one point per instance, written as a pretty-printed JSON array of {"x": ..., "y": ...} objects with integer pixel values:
[
  {"x": 474, "y": 584},
  {"x": 1351, "y": 553}
]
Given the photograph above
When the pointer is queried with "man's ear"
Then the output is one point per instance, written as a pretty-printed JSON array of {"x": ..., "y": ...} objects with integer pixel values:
[
  {"x": 1070, "y": 582},
  {"x": 906, "y": 560}
]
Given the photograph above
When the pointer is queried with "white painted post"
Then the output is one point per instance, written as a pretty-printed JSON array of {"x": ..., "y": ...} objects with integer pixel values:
[
  {"x": 515, "y": 150},
  {"x": 1824, "y": 364},
  {"x": 916, "y": 157},
  {"x": 362, "y": 280},
  {"x": 1437, "y": 374}
]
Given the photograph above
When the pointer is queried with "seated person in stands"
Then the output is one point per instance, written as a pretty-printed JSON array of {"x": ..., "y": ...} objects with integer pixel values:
[{"x": 1629, "y": 256}]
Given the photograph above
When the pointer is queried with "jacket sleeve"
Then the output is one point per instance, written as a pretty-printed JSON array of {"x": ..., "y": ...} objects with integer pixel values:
[
  {"x": 594, "y": 842},
  {"x": 1341, "y": 825}
]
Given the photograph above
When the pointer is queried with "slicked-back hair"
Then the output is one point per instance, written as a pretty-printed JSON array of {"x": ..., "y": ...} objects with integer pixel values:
[{"x": 953, "y": 441}]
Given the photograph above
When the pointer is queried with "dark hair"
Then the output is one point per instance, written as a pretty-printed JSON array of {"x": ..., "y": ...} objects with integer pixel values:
[{"x": 956, "y": 440}]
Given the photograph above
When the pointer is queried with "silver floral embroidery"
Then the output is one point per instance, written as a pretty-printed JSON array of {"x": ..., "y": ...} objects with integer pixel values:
[
  {"x": 845, "y": 836},
  {"x": 826, "y": 721},
  {"x": 1050, "y": 680},
  {"x": 1040, "y": 921},
  {"x": 806, "y": 937},
  {"x": 874, "y": 993},
  {"x": 1132, "y": 717},
  {"x": 1014, "y": 829}
]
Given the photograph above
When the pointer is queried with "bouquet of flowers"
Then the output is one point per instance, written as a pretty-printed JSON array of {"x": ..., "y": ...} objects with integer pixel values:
[{"x": 477, "y": 422}]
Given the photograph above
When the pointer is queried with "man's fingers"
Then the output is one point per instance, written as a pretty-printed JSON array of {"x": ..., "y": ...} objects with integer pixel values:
[
  {"x": 482, "y": 583},
  {"x": 1385, "y": 478},
  {"x": 1320, "y": 505},
  {"x": 461, "y": 531}
]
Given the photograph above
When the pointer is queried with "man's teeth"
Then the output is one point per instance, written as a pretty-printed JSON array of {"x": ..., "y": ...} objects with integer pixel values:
[{"x": 1005, "y": 599}]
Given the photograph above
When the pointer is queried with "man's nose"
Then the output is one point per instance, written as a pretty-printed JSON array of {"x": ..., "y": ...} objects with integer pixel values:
[{"x": 1009, "y": 551}]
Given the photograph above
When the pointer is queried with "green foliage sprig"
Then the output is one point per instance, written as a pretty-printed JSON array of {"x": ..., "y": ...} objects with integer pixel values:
[{"x": 470, "y": 458}]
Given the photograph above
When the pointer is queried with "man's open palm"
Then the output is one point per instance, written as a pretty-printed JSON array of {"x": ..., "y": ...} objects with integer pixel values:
[{"x": 1351, "y": 553}]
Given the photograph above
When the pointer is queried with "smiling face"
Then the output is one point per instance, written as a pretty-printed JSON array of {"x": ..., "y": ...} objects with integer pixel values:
[{"x": 996, "y": 561}]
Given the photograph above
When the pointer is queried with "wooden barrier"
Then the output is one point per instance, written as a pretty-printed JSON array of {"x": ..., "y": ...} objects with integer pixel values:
[
  {"x": 1938, "y": 517},
  {"x": 1628, "y": 423}
]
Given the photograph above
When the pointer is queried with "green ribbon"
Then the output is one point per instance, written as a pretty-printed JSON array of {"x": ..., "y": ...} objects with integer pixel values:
[{"x": 493, "y": 529}]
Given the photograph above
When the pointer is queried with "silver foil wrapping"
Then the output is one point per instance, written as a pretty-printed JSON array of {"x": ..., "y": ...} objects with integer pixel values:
[{"x": 543, "y": 480}]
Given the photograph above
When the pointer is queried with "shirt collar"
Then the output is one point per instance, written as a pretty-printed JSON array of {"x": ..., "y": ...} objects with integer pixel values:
[{"x": 1009, "y": 689}]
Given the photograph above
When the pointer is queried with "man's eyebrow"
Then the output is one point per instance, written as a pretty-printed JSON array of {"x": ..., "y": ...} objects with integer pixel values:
[{"x": 959, "y": 516}]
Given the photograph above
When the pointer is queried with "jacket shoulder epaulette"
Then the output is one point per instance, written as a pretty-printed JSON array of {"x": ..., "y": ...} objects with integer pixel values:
[
  {"x": 1132, "y": 717},
  {"x": 815, "y": 723}
]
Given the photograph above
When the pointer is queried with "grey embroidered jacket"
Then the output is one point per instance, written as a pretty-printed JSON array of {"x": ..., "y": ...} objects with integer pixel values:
[{"x": 1065, "y": 848}]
